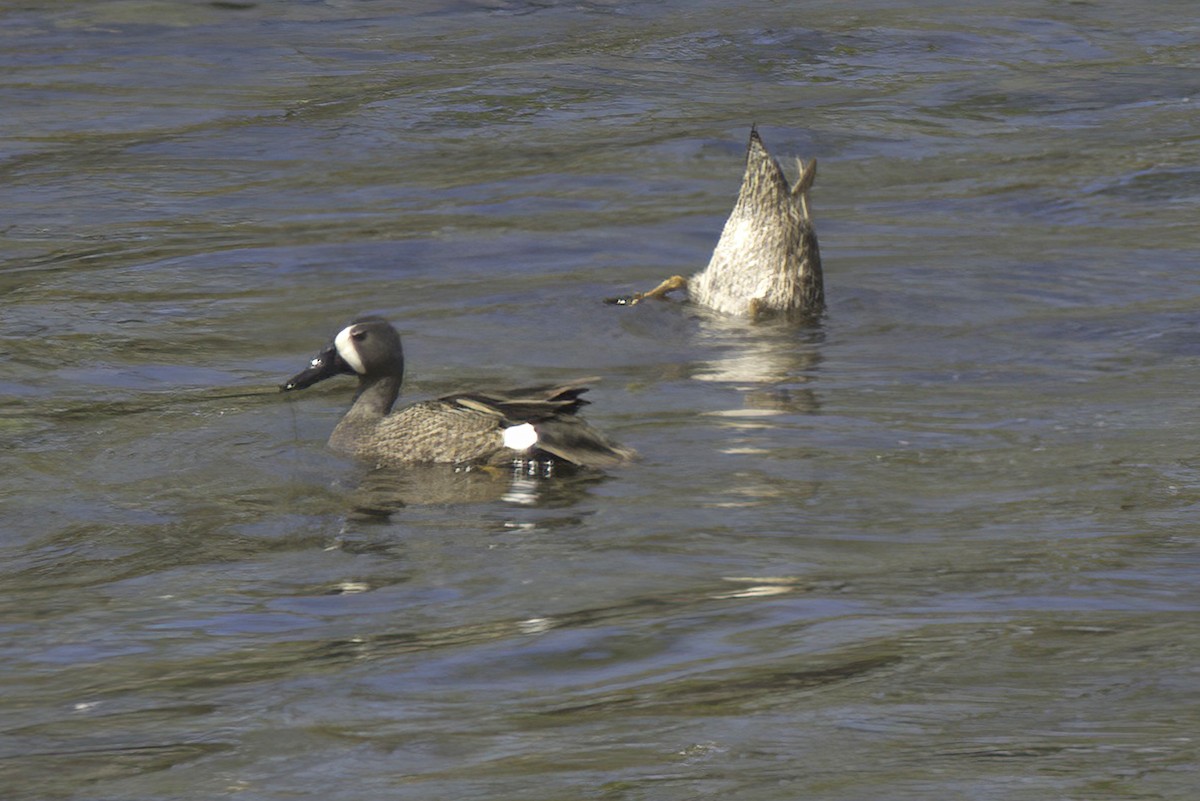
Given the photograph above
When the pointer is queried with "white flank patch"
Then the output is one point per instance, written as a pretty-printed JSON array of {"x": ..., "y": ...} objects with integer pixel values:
[
  {"x": 520, "y": 438},
  {"x": 345, "y": 348}
]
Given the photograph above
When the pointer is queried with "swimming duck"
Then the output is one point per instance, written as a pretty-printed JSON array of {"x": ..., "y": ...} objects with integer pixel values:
[
  {"x": 533, "y": 425},
  {"x": 767, "y": 261}
]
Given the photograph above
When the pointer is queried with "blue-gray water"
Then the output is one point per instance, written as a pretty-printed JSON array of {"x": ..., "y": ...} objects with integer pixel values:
[{"x": 943, "y": 545}]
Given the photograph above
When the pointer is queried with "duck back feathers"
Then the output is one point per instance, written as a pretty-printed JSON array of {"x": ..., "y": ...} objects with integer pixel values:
[{"x": 487, "y": 427}]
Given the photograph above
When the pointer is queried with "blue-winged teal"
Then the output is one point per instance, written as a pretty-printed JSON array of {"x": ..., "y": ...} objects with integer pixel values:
[
  {"x": 767, "y": 261},
  {"x": 534, "y": 424}
]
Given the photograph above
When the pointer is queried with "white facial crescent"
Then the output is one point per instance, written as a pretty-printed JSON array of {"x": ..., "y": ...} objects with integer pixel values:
[{"x": 345, "y": 348}]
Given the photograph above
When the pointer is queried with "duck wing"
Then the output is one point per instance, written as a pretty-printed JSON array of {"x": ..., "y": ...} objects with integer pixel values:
[
  {"x": 528, "y": 404},
  {"x": 552, "y": 411},
  {"x": 573, "y": 440}
]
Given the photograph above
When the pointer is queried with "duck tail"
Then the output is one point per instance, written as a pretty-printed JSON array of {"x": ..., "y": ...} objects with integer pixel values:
[{"x": 574, "y": 441}]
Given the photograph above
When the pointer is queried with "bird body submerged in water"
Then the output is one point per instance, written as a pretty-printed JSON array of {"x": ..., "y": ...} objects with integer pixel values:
[
  {"x": 534, "y": 424},
  {"x": 767, "y": 261}
]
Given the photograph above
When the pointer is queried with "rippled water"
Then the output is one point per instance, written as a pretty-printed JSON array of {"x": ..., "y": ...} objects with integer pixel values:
[{"x": 941, "y": 545}]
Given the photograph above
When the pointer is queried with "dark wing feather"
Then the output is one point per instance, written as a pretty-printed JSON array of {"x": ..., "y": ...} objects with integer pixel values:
[
  {"x": 528, "y": 404},
  {"x": 552, "y": 410},
  {"x": 573, "y": 440}
]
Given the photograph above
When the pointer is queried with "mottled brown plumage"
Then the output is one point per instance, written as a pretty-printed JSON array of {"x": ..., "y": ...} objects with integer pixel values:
[
  {"x": 464, "y": 428},
  {"x": 767, "y": 261}
]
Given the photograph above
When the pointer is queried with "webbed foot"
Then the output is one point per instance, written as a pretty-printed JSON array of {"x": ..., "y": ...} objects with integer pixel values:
[{"x": 658, "y": 293}]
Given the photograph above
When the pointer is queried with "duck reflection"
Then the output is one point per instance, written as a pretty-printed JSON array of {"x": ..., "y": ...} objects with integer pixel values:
[
  {"x": 771, "y": 363},
  {"x": 386, "y": 490}
]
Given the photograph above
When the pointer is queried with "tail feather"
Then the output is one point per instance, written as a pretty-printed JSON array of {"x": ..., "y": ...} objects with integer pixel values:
[
  {"x": 574, "y": 441},
  {"x": 551, "y": 410}
]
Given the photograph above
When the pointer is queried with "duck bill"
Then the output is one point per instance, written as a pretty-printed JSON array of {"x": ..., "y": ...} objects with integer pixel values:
[{"x": 325, "y": 364}]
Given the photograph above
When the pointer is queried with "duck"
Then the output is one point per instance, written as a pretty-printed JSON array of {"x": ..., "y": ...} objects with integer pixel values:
[
  {"x": 537, "y": 425},
  {"x": 767, "y": 262}
]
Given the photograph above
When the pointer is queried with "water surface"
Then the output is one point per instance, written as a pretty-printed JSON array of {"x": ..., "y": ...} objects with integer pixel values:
[{"x": 940, "y": 545}]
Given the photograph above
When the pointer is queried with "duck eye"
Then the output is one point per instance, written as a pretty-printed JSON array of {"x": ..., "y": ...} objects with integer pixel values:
[{"x": 358, "y": 336}]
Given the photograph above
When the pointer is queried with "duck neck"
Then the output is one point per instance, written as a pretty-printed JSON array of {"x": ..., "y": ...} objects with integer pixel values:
[
  {"x": 375, "y": 396},
  {"x": 371, "y": 404}
]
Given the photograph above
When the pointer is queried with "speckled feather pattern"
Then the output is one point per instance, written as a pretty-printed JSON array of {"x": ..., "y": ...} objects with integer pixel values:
[
  {"x": 430, "y": 431},
  {"x": 468, "y": 429},
  {"x": 490, "y": 427},
  {"x": 767, "y": 260}
]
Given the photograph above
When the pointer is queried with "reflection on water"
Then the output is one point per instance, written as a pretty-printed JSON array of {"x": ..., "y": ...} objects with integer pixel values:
[
  {"x": 386, "y": 490},
  {"x": 769, "y": 362},
  {"x": 938, "y": 545}
]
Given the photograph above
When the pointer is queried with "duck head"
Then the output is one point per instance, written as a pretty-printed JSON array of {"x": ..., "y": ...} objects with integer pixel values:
[{"x": 369, "y": 347}]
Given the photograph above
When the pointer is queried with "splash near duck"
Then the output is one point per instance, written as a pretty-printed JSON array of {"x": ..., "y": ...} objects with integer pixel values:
[
  {"x": 534, "y": 425},
  {"x": 767, "y": 261}
]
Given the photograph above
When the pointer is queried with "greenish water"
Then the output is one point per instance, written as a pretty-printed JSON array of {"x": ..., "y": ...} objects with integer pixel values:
[{"x": 940, "y": 546}]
